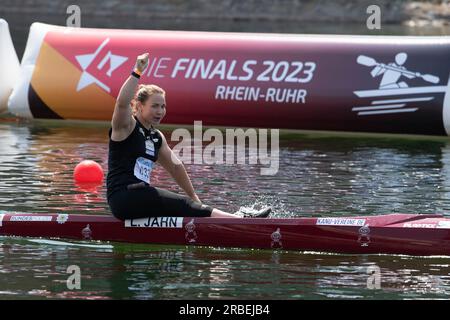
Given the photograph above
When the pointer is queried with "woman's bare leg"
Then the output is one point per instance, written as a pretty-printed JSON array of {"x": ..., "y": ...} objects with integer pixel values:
[{"x": 216, "y": 213}]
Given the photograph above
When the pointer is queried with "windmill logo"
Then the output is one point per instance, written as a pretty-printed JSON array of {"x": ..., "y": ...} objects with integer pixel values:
[
  {"x": 85, "y": 60},
  {"x": 393, "y": 83}
]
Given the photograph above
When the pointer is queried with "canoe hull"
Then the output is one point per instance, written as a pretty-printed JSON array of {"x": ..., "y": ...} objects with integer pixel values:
[{"x": 390, "y": 234}]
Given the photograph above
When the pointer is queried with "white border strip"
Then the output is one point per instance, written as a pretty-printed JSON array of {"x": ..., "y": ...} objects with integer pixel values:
[
  {"x": 386, "y": 106},
  {"x": 403, "y": 100},
  {"x": 368, "y": 113}
]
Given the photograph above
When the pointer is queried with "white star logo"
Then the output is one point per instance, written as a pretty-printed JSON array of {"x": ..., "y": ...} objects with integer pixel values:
[{"x": 85, "y": 61}]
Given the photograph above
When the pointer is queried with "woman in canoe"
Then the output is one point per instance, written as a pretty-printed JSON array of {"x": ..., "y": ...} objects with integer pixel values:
[{"x": 135, "y": 145}]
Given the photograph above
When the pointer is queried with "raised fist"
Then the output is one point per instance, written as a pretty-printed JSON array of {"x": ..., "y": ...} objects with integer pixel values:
[{"x": 142, "y": 62}]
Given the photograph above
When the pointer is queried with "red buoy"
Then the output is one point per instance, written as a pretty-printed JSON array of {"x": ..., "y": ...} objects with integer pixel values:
[{"x": 88, "y": 171}]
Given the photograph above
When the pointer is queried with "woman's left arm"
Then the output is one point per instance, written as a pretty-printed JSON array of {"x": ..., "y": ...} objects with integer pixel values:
[{"x": 176, "y": 169}]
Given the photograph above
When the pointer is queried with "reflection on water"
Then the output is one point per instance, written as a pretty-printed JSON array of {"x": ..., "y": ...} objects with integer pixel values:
[
  {"x": 318, "y": 175},
  {"x": 38, "y": 164},
  {"x": 157, "y": 272}
]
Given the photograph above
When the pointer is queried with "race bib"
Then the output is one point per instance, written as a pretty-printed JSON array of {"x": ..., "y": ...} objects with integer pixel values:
[{"x": 143, "y": 169}]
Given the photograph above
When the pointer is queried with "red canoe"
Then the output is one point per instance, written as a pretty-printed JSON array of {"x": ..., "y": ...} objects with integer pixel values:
[{"x": 391, "y": 234}]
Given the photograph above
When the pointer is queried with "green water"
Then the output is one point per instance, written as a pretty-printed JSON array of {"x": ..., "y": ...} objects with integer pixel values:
[{"x": 319, "y": 175}]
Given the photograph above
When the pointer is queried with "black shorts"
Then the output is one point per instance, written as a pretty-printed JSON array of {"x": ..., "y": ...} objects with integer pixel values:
[{"x": 147, "y": 201}]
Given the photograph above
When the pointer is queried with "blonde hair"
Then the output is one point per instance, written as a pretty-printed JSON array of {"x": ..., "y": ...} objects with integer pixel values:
[{"x": 144, "y": 92}]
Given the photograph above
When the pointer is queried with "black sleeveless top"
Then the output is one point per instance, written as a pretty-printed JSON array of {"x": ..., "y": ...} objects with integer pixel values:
[{"x": 141, "y": 146}]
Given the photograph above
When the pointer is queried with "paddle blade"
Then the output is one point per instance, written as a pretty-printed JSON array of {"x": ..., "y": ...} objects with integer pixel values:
[
  {"x": 366, "y": 61},
  {"x": 430, "y": 78}
]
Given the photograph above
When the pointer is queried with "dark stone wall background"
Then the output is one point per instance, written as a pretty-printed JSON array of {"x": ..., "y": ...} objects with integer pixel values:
[{"x": 283, "y": 16}]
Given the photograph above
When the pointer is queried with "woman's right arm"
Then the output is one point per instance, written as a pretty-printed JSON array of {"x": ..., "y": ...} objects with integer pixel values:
[{"x": 121, "y": 120}]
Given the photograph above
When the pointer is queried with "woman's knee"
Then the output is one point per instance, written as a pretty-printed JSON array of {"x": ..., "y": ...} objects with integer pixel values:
[
  {"x": 198, "y": 209},
  {"x": 119, "y": 207}
]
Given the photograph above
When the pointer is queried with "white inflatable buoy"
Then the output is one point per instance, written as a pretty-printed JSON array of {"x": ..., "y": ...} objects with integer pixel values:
[{"x": 9, "y": 65}]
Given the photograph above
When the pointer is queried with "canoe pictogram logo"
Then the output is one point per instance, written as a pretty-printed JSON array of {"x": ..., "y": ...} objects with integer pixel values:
[
  {"x": 62, "y": 218},
  {"x": 364, "y": 236},
  {"x": 441, "y": 224},
  {"x": 2, "y": 215},
  {"x": 86, "y": 60},
  {"x": 276, "y": 239},
  {"x": 86, "y": 233},
  {"x": 191, "y": 234},
  {"x": 393, "y": 83}
]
